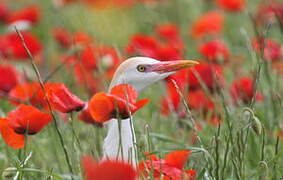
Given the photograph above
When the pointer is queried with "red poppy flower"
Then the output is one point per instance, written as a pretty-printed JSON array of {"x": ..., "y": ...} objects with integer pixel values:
[
  {"x": 170, "y": 168},
  {"x": 119, "y": 103},
  {"x": 69, "y": 61},
  {"x": 272, "y": 50},
  {"x": 101, "y": 4},
  {"x": 141, "y": 44},
  {"x": 30, "y": 14},
  {"x": 180, "y": 77},
  {"x": 86, "y": 78},
  {"x": 269, "y": 11},
  {"x": 210, "y": 75},
  {"x": 11, "y": 138},
  {"x": 4, "y": 11},
  {"x": 169, "y": 32},
  {"x": 198, "y": 100},
  {"x": 242, "y": 89},
  {"x": 109, "y": 59},
  {"x": 168, "y": 53},
  {"x": 27, "y": 119},
  {"x": 28, "y": 92},
  {"x": 63, "y": 37},
  {"x": 107, "y": 170},
  {"x": 210, "y": 23},
  {"x": 88, "y": 58},
  {"x": 12, "y": 46},
  {"x": 86, "y": 117},
  {"x": 62, "y": 99},
  {"x": 214, "y": 50},
  {"x": 172, "y": 100},
  {"x": 9, "y": 78},
  {"x": 82, "y": 38},
  {"x": 231, "y": 5}
]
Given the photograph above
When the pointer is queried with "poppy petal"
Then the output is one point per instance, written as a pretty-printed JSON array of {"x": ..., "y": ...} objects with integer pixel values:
[
  {"x": 177, "y": 159},
  {"x": 107, "y": 170},
  {"x": 62, "y": 99},
  {"x": 101, "y": 107},
  {"x": 27, "y": 119},
  {"x": 140, "y": 104},
  {"x": 126, "y": 92},
  {"x": 11, "y": 138}
]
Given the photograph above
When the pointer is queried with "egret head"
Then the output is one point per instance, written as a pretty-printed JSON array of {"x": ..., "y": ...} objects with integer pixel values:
[{"x": 141, "y": 72}]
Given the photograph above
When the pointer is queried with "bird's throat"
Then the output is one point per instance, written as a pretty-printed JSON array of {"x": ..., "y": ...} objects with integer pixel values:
[{"x": 120, "y": 140}]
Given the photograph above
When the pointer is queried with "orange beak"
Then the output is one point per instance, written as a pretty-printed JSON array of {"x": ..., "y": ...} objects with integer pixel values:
[{"x": 171, "y": 66}]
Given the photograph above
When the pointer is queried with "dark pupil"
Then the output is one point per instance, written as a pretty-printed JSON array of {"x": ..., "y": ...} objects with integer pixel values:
[{"x": 141, "y": 68}]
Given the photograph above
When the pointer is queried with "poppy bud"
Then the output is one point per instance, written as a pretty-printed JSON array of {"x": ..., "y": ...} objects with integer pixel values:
[{"x": 256, "y": 125}]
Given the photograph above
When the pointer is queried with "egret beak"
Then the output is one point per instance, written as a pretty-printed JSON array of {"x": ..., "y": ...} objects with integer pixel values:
[{"x": 171, "y": 66}]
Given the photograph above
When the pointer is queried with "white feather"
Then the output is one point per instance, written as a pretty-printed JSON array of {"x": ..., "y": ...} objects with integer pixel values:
[{"x": 114, "y": 148}]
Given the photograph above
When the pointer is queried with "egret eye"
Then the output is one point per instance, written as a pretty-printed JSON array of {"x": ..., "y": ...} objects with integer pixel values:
[{"x": 141, "y": 68}]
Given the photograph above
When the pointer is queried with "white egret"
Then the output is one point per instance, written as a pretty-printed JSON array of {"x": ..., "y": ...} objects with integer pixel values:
[{"x": 138, "y": 72}]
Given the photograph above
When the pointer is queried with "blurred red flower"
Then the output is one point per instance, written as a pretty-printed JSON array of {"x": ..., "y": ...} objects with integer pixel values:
[
  {"x": 198, "y": 100},
  {"x": 107, "y": 170},
  {"x": 63, "y": 37},
  {"x": 62, "y": 99},
  {"x": 242, "y": 89},
  {"x": 30, "y": 14},
  {"x": 28, "y": 93},
  {"x": 11, "y": 138},
  {"x": 271, "y": 49},
  {"x": 85, "y": 78},
  {"x": 119, "y": 103},
  {"x": 86, "y": 117},
  {"x": 81, "y": 38},
  {"x": 210, "y": 75},
  {"x": 88, "y": 58},
  {"x": 169, "y": 32},
  {"x": 9, "y": 78},
  {"x": 172, "y": 167},
  {"x": 214, "y": 50},
  {"x": 210, "y": 23},
  {"x": 27, "y": 119},
  {"x": 109, "y": 59},
  {"x": 168, "y": 53},
  {"x": 231, "y": 5},
  {"x": 170, "y": 102},
  {"x": 141, "y": 44},
  {"x": 268, "y": 12},
  {"x": 102, "y": 4},
  {"x": 12, "y": 47},
  {"x": 4, "y": 11}
]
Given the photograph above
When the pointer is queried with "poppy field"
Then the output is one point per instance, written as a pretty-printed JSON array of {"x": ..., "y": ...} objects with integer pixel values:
[{"x": 198, "y": 95}]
